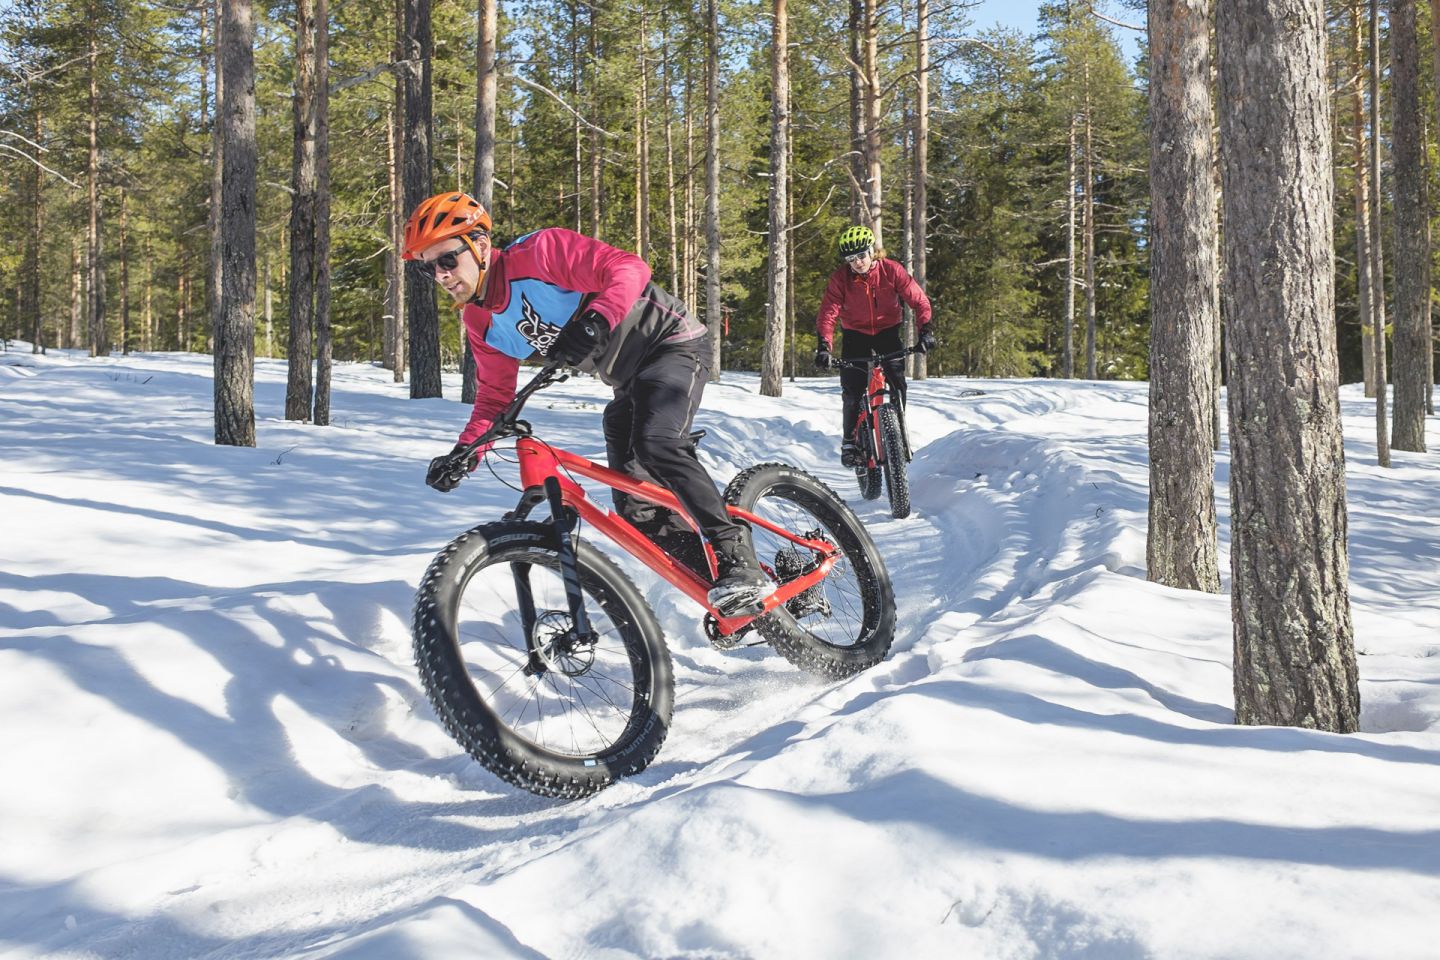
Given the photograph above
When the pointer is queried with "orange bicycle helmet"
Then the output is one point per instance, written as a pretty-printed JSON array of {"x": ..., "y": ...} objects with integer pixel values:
[{"x": 443, "y": 216}]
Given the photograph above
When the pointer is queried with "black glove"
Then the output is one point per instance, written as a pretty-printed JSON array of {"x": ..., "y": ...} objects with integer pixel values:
[
  {"x": 925, "y": 339},
  {"x": 580, "y": 339},
  {"x": 823, "y": 359},
  {"x": 446, "y": 472}
]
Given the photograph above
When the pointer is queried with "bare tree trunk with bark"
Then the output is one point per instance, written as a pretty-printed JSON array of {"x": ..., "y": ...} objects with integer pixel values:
[
  {"x": 1067, "y": 356},
  {"x": 712, "y": 184},
  {"x": 874, "y": 195},
  {"x": 72, "y": 334},
  {"x": 483, "y": 181},
  {"x": 216, "y": 276},
  {"x": 668, "y": 109},
  {"x": 299, "y": 384},
  {"x": 1091, "y": 328},
  {"x": 124, "y": 273},
  {"x": 1412, "y": 246},
  {"x": 921, "y": 212},
  {"x": 1294, "y": 647},
  {"x": 323, "y": 338},
  {"x": 421, "y": 315},
  {"x": 1181, "y": 548},
  {"x": 235, "y": 335},
  {"x": 1377, "y": 245},
  {"x": 97, "y": 340},
  {"x": 859, "y": 206},
  {"x": 772, "y": 361},
  {"x": 34, "y": 308},
  {"x": 1364, "y": 304}
]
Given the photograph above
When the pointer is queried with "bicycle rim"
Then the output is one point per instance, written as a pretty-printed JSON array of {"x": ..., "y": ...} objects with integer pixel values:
[{"x": 568, "y": 698}]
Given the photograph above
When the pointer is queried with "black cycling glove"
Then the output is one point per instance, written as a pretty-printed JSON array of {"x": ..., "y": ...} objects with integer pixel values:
[
  {"x": 581, "y": 339},
  {"x": 446, "y": 472}
]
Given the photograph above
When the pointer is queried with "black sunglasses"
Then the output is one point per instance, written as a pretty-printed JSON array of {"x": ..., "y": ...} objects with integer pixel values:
[{"x": 447, "y": 261}]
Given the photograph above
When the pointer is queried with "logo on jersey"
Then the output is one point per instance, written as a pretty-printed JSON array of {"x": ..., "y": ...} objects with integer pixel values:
[{"x": 536, "y": 331}]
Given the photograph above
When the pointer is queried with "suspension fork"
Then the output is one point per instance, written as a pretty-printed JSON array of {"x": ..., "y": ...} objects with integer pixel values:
[{"x": 564, "y": 523}]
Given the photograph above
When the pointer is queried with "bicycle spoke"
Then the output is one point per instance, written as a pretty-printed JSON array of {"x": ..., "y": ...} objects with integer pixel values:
[{"x": 565, "y": 696}]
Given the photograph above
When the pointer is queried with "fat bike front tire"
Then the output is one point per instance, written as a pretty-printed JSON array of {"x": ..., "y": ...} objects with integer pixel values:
[
  {"x": 897, "y": 479},
  {"x": 546, "y": 712}
]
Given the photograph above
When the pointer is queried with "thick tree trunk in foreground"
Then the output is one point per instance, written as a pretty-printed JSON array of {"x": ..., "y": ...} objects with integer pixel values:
[
  {"x": 1294, "y": 648},
  {"x": 235, "y": 334}
]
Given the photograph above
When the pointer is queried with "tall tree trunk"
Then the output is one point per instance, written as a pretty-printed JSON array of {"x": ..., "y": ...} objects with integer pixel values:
[
  {"x": 269, "y": 305},
  {"x": 72, "y": 336},
  {"x": 1412, "y": 248},
  {"x": 642, "y": 145},
  {"x": 712, "y": 184},
  {"x": 95, "y": 266},
  {"x": 215, "y": 277},
  {"x": 299, "y": 385},
  {"x": 324, "y": 347},
  {"x": 1377, "y": 245},
  {"x": 1091, "y": 370},
  {"x": 669, "y": 110},
  {"x": 921, "y": 213},
  {"x": 1294, "y": 646},
  {"x": 124, "y": 273},
  {"x": 483, "y": 180},
  {"x": 36, "y": 309},
  {"x": 396, "y": 337},
  {"x": 1067, "y": 356},
  {"x": 859, "y": 211},
  {"x": 873, "y": 192},
  {"x": 597, "y": 169},
  {"x": 423, "y": 320},
  {"x": 182, "y": 296},
  {"x": 147, "y": 313},
  {"x": 1429, "y": 326},
  {"x": 772, "y": 362},
  {"x": 790, "y": 235},
  {"x": 687, "y": 292},
  {"x": 1364, "y": 305},
  {"x": 577, "y": 188},
  {"x": 1181, "y": 548},
  {"x": 235, "y": 335}
]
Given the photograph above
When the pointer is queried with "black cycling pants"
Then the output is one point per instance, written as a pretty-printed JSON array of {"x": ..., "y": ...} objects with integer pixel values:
[
  {"x": 647, "y": 435},
  {"x": 854, "y": 346}
]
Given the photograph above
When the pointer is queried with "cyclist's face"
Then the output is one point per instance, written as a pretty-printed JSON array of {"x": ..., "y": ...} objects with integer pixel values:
[
  {"x": 862, "y": 262},
  {"x": 459, "y": 281}
]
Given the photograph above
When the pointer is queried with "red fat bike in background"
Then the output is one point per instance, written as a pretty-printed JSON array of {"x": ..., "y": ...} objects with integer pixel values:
[
  {"x": 880, "y": 437},
  {"x": 546, "y": 663}
]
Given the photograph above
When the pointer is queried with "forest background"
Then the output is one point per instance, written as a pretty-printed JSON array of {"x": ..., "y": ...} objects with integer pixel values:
[{"x": 107, "y": 115}]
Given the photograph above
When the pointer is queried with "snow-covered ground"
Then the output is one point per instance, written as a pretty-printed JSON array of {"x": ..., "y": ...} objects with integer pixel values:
[{"x": 213, "y": 742}]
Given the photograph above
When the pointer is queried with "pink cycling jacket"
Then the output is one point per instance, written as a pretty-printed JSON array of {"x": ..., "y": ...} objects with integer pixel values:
[{"x": 541, "y": 282}]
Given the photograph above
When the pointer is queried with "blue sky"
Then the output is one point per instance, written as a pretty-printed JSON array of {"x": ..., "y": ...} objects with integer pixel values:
[{"x": 1021, "y": 15}]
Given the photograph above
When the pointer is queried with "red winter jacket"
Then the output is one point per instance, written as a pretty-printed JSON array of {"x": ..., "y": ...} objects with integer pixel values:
[{"x": 869, "y": 303}]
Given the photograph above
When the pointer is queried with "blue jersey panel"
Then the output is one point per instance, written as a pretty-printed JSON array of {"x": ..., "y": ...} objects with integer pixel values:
[{"x": 533, "y": 318}]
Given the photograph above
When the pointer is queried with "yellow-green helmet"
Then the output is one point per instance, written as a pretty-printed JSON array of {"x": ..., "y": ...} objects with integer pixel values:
[{"x": 853, "y": 240}]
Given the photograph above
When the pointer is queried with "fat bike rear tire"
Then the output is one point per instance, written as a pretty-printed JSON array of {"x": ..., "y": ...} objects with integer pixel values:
[{"x": 846, "y": 622}]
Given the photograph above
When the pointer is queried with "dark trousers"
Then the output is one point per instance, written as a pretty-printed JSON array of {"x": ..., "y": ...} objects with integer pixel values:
[
  {"x": 647, "y": 435},
  {"x": 853, "y": 382}
]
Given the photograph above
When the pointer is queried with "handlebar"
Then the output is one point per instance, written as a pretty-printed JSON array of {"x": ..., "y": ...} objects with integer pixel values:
[
  {"x": 507, "y": 422},
  {"x": 882, "y": 358}
]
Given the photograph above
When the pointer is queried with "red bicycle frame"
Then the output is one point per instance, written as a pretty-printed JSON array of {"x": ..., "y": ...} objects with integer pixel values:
[
  {"x": 540, "y": 461},
  {"x": 874, "y": 398}
]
